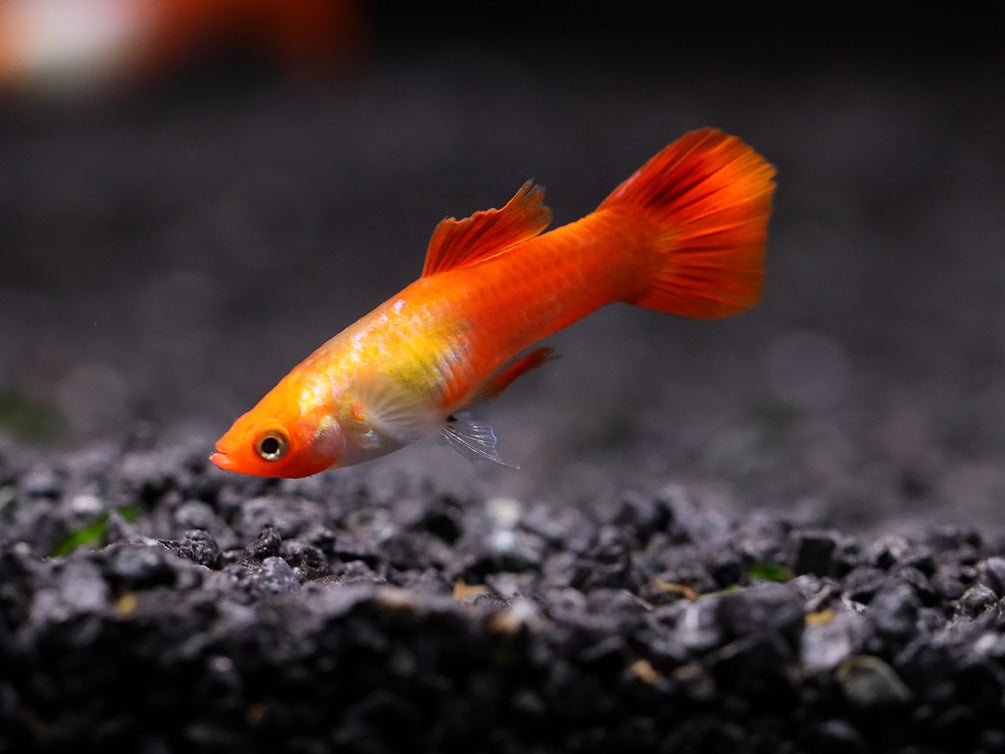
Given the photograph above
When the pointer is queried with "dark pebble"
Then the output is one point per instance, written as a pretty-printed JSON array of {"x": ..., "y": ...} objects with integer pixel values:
[
  {"x": 811, "y": 551},
  {"x": 199, "y": 547},
  {"x": 77, "y": 587},
  {"x": 356, "y": 572},
  {"x": 307, "y": 561},
  {"x": 760, "y": 668},
  {"x": 643, "y": 516},
  {"x": 266, "y": 544},
  {"x": 689, "y": 522},
  {"x": 726, "y": 567},
  {"x": 991, "y": 573},
  {"x": 322, "y": 537},
  {"x": 146, "y": 475},
  {"x": 607, "y": 564},
  {"x": 768, "y": 607},
  {"x": 948, "y": 587},
  {"x": 762, "y": 537},
  {"x": 887, "y": 550},
  {"x": 698, "y": 628},
  {"x": 273, "y": 575},
  {"x": 142, "y": 566},
  {"x": 894, "y": 610},
  {"x": 831, "y": 637},
  {"x": 195, "y": 514},
  {"x": 289, "y": 516},
  {"x": 975, "y": 601},
  {"x": 919, "y": 583},
  {"x": 862, "y": 583},
  {"x": 921, "y": 558}
]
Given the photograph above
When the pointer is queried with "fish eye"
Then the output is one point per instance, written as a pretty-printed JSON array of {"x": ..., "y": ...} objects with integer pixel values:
[{"x": 271, "y": 445}]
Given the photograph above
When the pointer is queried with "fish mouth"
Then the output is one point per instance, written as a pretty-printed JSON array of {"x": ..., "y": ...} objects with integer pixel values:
[{"x": 221, "y": 460}]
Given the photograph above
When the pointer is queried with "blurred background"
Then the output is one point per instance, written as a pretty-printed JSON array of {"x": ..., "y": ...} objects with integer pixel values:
[{"x": 196, "y": 194}]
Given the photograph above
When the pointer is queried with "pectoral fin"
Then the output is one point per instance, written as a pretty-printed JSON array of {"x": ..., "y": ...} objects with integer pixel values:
[{"x": 392, "y": 410}]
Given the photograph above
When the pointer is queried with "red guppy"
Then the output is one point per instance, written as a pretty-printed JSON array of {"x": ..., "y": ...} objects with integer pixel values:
[{"x": 684, "y": 235}]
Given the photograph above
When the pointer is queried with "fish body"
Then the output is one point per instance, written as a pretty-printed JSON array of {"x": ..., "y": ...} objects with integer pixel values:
[{"x": 685, "y": 235}]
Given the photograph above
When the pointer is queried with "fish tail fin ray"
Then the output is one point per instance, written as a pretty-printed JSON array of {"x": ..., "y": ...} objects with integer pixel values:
[{"x": 709, "y": 196}]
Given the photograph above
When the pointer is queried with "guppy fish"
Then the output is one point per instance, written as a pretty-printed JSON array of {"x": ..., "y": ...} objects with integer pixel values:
[{"x": 684, "y": 235}]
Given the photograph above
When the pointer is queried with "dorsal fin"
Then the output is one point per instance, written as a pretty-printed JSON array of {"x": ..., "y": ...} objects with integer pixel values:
[{"x": 456, "y": 243}]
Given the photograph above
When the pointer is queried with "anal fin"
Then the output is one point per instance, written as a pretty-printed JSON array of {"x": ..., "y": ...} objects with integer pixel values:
[{"x": 503, "y": 379}]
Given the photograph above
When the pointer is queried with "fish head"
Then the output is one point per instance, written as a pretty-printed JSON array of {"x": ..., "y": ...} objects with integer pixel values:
[{"x": 287, "y": 434}]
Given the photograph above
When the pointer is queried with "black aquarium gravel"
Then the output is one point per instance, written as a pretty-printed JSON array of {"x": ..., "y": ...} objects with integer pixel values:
[
  {"x": 324, "y": 615},
  {"x": 782, "y": 532}
]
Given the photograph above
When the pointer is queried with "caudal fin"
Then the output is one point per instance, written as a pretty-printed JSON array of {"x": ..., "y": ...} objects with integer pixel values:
[{"x": 709, "y": 196}]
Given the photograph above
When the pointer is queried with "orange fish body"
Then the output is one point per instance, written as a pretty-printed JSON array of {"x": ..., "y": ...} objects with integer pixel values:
[{"x": 685, "y": 235}]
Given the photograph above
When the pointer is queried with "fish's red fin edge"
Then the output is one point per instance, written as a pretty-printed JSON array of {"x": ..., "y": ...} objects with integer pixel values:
[
  {"x": 503, "y": 379},
  {"x": 709, "y": 197},
  {"x": 456, "y": 243}
]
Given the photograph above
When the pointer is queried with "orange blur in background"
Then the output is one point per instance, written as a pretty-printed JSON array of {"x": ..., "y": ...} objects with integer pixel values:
[{"x": 80, "y": 48}]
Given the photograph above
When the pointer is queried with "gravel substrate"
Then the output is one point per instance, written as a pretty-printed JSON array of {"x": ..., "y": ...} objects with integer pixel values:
[{"x": 340, "y": 614}]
